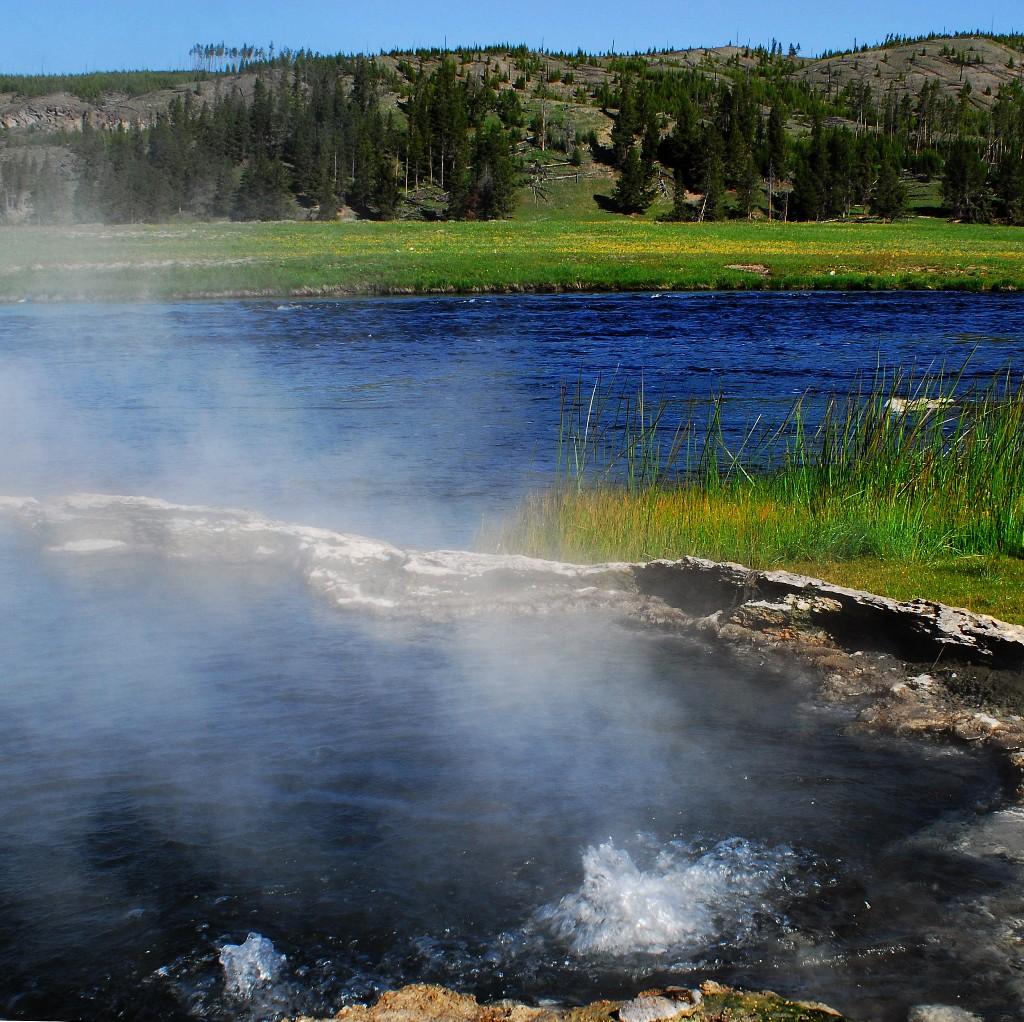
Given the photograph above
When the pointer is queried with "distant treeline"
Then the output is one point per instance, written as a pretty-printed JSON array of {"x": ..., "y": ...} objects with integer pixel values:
[
  {"x": 92, "y": 86},
  {"x": 314, "y": 133},
  {"x": 1015, "y": 40},
  {"x": 454, "y": 137},
  {"x": 722, "y": 139}
]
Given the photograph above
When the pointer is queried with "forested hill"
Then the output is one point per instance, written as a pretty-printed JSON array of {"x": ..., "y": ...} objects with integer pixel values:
[{"x": 703, "y": 133}]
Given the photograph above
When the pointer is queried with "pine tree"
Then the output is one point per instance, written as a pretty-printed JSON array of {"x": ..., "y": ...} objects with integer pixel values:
[
  {"x": 49, "y": 196},
  {"x": 460, "y": 182},
  {"x": 1009, "y": 182},
  {"x": 494, "y": 173},
  {"x": 680, "y": 149},
  {"x": 385, "y": 188},
  {"x": 627, "y": 122},
  {"x": 326, "y": 194},
  {"x": 965, "y": 183},
  {"x": 223, "y": 192},
  {"x": 360, "y": 191},
  {"x": 681, "y": 208},
  {"x": 633, "y": 192},
  {"x": 889, "y": 196},
  {"x": 712, "y": 178},
  {"x": 263, "y": 192},
  {"x": 776, "y": 143},
  {"x": 807, "y": 201},
  {"x": 748, "y": 185}
]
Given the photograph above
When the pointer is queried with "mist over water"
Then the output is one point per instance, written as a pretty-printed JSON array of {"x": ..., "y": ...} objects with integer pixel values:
[{"x": 222, "y": 798}]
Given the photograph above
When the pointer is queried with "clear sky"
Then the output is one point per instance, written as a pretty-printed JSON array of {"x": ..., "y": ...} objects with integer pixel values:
[{"x": 78, "y": 35}]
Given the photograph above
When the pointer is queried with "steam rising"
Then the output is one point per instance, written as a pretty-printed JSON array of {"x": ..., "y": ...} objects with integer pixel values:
[{"x": 350, "y": 571}]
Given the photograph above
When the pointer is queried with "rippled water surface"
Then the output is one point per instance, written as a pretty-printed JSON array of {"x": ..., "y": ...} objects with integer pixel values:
[
  {"x": 543, "y": 809},
  {"x": 409, "y": 419}
]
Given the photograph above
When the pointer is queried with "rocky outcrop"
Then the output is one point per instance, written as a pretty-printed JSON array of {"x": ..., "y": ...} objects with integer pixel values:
[
  {"x": 423, "y": 1003},
  {"x": 773, "y": 601},
  {"x": 65, "y": 112}
]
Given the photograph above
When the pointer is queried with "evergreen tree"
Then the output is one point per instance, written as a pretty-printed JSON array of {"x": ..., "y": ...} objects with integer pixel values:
[
  {"x": 889, "y": 196},
  {"x": 680, "y": 149},
  {"x": 49, "y": 195},
  {"x": 327, "y": 195},
  {"x": 263, "y": 192},
  {"x": 712, "y": 178},
  {"x": 748, "y": 185},
  {"x": 807, "y": 201},
  {"x": 385, "y": 191},
  {"x": 776, "y": 143},
  {"x": 842, "y": 172},
  {"x": 633, "y": 192},
  {"x": 223, "y": 191},
  {"x": 494, "y": 173},
  {"x": 460, "y": 183},
  {"x": 681, "y": 209},
  {"x": 627, "y": 123},
  {"x": 364, "y": 174},
  {"x": 965, "y": 183}
]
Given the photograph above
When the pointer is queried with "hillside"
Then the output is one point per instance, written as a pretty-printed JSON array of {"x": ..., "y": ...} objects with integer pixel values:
[
  {"x": 984, "y": 63},
  {"x": 566, "y": 117}
]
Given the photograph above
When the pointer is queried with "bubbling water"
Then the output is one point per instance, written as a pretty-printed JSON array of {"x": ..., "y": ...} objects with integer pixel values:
[
  {"x": 684, "y": 900},
  {"x": 250, "y": 965}
]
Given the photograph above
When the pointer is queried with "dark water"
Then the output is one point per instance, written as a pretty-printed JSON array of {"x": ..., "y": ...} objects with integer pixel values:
[{"x": 559, "y": 809}]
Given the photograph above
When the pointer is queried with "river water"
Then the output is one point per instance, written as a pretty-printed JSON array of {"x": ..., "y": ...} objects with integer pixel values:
[
  {"x": 411, "y": 419},
  {"x": 221, "y": 798}
]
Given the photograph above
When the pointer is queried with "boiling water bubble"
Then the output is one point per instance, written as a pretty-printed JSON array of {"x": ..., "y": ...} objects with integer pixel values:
[
  {"x": 250, "y": 966},
  {"x": 683, "y": 899}
]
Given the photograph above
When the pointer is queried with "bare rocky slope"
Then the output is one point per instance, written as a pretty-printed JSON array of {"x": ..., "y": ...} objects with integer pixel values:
[{"x": 984, "y": 63}]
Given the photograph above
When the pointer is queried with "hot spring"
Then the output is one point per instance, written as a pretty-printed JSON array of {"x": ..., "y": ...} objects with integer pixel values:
[{"x": 223, "y": 797}]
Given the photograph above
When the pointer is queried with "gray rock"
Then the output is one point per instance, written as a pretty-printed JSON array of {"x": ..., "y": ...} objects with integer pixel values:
[{"x": 655, "y": 1008}]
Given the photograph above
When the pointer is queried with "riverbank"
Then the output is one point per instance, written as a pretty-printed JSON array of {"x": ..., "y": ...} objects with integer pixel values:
[
  {"x": 600, "y": 253},
  {"x": 605, "y": 525},
  {"x": 908, "y": 487}
]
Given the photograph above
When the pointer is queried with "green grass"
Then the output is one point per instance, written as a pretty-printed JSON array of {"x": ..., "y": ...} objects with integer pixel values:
[
  {"x": 568, "y": 244},
  {"x": 920, "y": 502}
]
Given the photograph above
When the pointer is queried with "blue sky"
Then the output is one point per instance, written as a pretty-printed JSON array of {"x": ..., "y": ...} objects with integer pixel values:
[{"x": 77, "y": 35}]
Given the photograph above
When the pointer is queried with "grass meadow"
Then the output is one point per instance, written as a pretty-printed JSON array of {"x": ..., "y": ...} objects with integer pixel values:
[{"x": 556, "y": 248}]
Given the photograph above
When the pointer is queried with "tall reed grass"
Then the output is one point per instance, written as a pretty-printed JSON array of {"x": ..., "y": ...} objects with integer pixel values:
[{"x": 906, "y": 467}]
